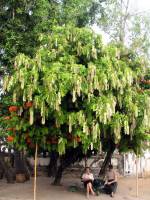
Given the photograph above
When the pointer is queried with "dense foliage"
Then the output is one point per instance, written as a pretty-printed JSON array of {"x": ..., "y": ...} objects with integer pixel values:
[
  {"x": 21, "y": 22},
  {"x": 77, "y": 91}
]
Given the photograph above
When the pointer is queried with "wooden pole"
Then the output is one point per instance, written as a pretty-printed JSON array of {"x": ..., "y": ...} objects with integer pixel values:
[
  {"x": 124, "y": 165},
  {"x": 35, "y": 170},
  {"x": 137, "y": 178},
  {"x": 85, "y": 159}
]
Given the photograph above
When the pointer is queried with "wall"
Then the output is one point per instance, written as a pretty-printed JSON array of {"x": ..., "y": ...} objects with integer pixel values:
[
  {"x": 125, "y": 164},
  {"x": 143, "y": 164}
]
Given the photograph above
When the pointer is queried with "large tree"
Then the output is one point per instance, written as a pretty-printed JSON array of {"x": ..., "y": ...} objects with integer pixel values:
[
  {"x": 22, "y": 22},
  {"x": 78, "y": 94}
]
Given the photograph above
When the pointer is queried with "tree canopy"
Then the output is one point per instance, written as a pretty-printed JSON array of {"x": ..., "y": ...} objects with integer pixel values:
[
  {"x": 64, "y": 89},
  {"x": 77, "y": 91},
  {"x": 21, "y": 22}
]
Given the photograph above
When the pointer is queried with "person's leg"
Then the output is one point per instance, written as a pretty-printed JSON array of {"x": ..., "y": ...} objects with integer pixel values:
[
  {"x": 107, "y": 189},
  {"x": 91, "y": 188},
  {"x": 87, "y": 190},
  {"x": 113, "y": 187}
]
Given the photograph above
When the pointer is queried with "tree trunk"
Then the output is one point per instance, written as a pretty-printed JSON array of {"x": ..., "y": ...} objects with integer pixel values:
[
  {"x": 58, "y": 176},
  {"x": 20, "y": 164},
  {"x": 52, "y": 168},
  {"x": 29, "y": 166},
  {"x": 2, "y": 167},
  {"x": 72, "y": 155},
  {"x": 6, "y": 170},
  {"x": 107, "y": 160}
]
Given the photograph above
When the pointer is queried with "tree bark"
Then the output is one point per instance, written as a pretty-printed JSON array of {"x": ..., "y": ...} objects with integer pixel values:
[
  {"x": 71, "y": 156},
  {"x": 6, "y": 170},
  {"x": 52, "y": 168},
  {"x": 58, "y": 176},
  {"x": 29, "y": 166},
  {"x": 107, "y": 160},
  {"x": 20, "y": 164},
  {"x": 2, "y": 166}
]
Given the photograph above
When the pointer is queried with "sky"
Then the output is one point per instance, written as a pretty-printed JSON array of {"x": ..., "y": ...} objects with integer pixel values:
[
  {"x": 136, "y": 7},
  {"x": 141, "y": 5}
]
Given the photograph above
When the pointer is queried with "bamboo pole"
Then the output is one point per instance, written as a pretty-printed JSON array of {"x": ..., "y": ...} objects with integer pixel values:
[
  {"x": 137, "y": 178},
  {"x": 35, "y": 170},
  {"x": 124, "y": 165},
  {"x": 85, "y": 160}
]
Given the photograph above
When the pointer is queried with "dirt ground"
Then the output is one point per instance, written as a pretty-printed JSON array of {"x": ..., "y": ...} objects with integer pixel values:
[{"x": 45, "y": 191}]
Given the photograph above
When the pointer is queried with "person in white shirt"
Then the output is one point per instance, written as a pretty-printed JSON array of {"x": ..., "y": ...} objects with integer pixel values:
[{"x": 88, "y": 179}]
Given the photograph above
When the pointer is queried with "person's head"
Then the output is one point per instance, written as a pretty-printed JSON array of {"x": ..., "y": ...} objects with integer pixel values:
[
  {"x": 110, "y": 167},
  {"x": 87, "y": 170}
]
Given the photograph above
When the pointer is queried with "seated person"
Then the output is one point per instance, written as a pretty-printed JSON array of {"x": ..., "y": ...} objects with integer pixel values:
[
  {"x": 111, "y": 181},
  {"x": 88, "y": 179}
]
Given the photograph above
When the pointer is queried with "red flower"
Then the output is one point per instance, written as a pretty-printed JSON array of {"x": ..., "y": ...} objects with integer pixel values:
[
  {"x": 28, "y": 140},
  {"x": 13, "y": 108},
  {"x": 78, "y": 139},
  {"x": 10, "y": 129},
  {"x": 29, "y": 104},
  {"x": 10, "y": 138}
]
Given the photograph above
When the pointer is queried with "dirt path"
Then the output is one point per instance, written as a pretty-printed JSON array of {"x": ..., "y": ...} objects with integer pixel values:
[{"x": 126, "y": 190}]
